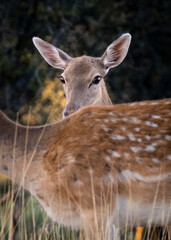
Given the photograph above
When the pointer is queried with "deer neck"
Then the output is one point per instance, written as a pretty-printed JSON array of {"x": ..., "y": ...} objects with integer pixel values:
[
  {"x": 22, "y": 149},
  {"x": 104, "y": 98}
]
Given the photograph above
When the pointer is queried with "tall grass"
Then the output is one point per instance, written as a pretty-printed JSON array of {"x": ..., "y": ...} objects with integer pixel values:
[{"x": 23, "y": 218}]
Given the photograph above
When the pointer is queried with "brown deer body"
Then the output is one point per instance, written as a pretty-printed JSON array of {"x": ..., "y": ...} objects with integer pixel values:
[
  {"x": 101, "y": 169},
  {"x": 83, "y": 77}
]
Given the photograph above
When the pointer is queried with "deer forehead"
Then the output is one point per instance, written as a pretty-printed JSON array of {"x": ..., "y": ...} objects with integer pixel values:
[{"x": 84, "y": 68}]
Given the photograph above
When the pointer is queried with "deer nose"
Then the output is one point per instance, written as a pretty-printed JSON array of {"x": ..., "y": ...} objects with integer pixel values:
[{"x": 69, "y": 109}]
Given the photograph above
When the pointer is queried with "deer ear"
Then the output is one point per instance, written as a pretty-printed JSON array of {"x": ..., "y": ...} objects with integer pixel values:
[
  {"x": 52, "y": 55},
  {"x": 117, "y": 51}
]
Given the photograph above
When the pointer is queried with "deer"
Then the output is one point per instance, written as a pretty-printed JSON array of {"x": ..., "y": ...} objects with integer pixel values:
[
  {"x": 101, "y": 169},
  {"x": 83, "y": 77}
]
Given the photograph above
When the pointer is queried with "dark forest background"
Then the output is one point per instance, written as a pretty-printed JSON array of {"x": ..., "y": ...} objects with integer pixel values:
[
  {"x": 77, "y": 27},
  {"x": 84, "y": 27}
]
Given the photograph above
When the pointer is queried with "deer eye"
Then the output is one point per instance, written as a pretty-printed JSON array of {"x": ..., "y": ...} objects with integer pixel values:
[
  {"x": 62, "y": 79},
  {"x": 95, "y": 81}
]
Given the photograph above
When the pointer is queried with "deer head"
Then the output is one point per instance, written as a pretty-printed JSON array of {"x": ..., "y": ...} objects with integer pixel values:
[
  {"x": 101, "y": 169},
  {"x": 83, "y": 77}
]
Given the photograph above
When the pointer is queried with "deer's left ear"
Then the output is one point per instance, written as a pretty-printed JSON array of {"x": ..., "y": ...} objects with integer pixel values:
[{"x": 117, "y": 51}]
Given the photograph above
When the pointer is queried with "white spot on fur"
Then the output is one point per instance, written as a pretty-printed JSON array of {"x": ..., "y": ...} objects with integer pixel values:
[
  {"x": 139, "y": 140},
  {"x": 154, "y": 103},
  {"x": 136, "y": 149},
  {"x": 163, "y": 131},
  {"x": 113, "y": 120},
  {"x": 117, "y": 137},
  {"x": 110, "y": 151},
  {"x": 151, "y": 124},
  {"x": 167, "y": 102},
  {"x": 126, "y": 155},
  {"x": 142, "y": 103},
  {"x": 70, "y": 159},
  {"x": 132, "y": 104},
  {"x": 168, "y": 157},
  {"x": 137, "y": 129},
  {"x": 135, "y": 120},
  {"x": 155, "y": 116},
  {"x": 106, "y": 129},
  {"x": 113, "y": 153},
  {"x": 131, "y": 137},
  {"x": 158, "y": 136},
  {"x": 106, "y": 120},
  {"x": 123, "y": 128},
  {"x": 125, "y": 119},
  {"x": 112, "y": 114},
  {"x": 155, "y": 160},
  {"x": 154, "y": 144},
  {"x": 147, "y": 137},
  {"x": 168, "y": 137},
  {"x": 150, "y": 148},
  {"x": 108, "y": 178},
  {"x": 108, "y": 159},
  {"x": 128, "y": 175}
]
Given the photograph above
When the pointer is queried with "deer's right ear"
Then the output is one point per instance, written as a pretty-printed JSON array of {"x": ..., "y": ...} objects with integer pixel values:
[
  {"x": 117, "y": 51},
  {"x": 52, "y": 55}
]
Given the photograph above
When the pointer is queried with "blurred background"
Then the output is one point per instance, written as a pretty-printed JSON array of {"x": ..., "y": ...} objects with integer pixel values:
[
  {"x": 81, "y": 27},
  {"x": 29, "y": 85}
]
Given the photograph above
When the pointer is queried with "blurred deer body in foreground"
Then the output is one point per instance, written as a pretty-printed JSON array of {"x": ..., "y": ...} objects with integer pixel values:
[
  {"x": 83, "y": 77},
  {"x": 100, "y": 169}
]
